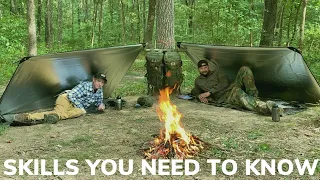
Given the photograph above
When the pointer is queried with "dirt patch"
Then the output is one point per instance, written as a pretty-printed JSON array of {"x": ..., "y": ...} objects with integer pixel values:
[{"x": 117, "y": 135}]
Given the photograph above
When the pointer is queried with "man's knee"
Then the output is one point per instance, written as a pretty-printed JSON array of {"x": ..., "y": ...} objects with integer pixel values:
[{"x": 245, "y": 69}]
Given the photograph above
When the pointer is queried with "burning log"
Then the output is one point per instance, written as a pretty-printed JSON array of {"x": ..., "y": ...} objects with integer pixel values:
[
  {"x": 173, "y": 141},
  {"x": 178, "y": 149}
]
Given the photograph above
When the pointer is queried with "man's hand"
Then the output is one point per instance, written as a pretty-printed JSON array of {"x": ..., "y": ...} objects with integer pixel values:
[
  {"x": 203, "y": 97},
  {"x": 101, "y": 107}
]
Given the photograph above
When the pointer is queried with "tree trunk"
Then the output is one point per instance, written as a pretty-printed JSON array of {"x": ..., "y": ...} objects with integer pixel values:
[
  {"x": 303, "y": 20},
  {"x": 49, "y": 26},
  {"x": 72, "y": 16},
  {"x": 100, "y": 21},
  {"x": 139, "y": 21},
  {"x": 79, "y": 14},
  {"x": 226, "y": 31},
  {"x": 132, "y": 36},
  {"x": 144, "y": 16},
  {"x": 212, "y": 26},
  {"x": 39, "y": 20},
  {"x": 86, "y": 11},
  {"x": 269, "y": 21},
  {"x": 190, "y": 5},
  {"x": 123, "y": 20},
  {"x": 295, "y": 23},
  {"x": 236, "y": 25},
  {"x": 32, "y": 48},
  {"x": 111, "y": 11},
  {"x": 281, "y": 23},
  {"x": 289, "y": 25},
  {"x": 251, "y": 9},
  {"x": 218, "y": 21},
  {"x": 150, "y": 24},
  {"x": 194, "y": 24},
  {"x": 60, "y": 22},
  {"x": 94, "y": 21},
  {"x": 165, "y": 24}
]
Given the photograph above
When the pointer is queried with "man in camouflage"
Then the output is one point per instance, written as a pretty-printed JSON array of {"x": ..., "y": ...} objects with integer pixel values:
[{"x": 214, "y": 86}]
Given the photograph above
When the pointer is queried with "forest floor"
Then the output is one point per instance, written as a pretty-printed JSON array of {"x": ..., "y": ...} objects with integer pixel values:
[{"x": 233, "y": 134}]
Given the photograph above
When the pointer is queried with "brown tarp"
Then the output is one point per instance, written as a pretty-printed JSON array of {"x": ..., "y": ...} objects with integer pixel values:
[
  {"x": 279, "y": 73},
  {"x": 38, "y": 80}
]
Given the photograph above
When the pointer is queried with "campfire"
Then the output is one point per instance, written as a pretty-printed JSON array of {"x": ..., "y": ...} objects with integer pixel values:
[{"x": 173, "y": 141}]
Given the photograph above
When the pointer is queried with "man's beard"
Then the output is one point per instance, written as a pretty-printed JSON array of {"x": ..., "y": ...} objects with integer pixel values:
[{"x": 206, "y": 74}]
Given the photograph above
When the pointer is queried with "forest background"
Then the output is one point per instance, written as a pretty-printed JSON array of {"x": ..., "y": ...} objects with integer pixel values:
[{"x": 68, "y": 25}]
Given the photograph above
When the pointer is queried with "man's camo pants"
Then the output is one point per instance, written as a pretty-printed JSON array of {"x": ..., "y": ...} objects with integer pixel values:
[{"x": 245, "y": 94}]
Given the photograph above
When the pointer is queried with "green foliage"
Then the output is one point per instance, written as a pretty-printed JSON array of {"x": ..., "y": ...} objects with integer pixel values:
[
  {"x": 129, "y": 89},
  {"x": 264, "y": 147},
  {"x": 12, "y": 40},
  {"x": 254, "y": 135},
  {"x": 230, "y": 143},
  {"x": 3, "y": 128},
  {"x": 190, "y": 72},
  {"x": 218, "y": 153},
  {"x": 227, "y": 22}
]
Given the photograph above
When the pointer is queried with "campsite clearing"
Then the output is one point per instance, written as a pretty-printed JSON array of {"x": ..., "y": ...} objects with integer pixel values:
[
  {"x": 237, "y": 135},
  {"x": 118, "y": 135}
]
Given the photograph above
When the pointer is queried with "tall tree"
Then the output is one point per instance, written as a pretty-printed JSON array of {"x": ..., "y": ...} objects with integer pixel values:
[
  {"x": 251, "y": 10},
  {"x": 32, "y": 48},
  {"x": 150, "y": 24},
  {"x": 139, "y": 21},
  {"x": 60, "y": 22},
  {"x": 211, "y": 19},
  {"x": 100, "y": 21},
  {"x": 94, "y": 20},
  {"x": 79, "y": 11},
  {"x": 303, "y": 20},
  {"x": 39, "y": 20},
  {"x": 289, "y": 24},
  {"x": 49, "y": 24},
  {"x": 86, "y": 10},
  {"x": 280, "y": 23},
  {"x": 295, "y": 25},
  {"x": 190, "y": 4},
  {"x": 132, "y": 21},
  {"x": 111, "y": 11},
  {"x": 72, "y": 18},
  {"x": 123, "y": 20},
  {"x": 165, "y": 24},
  {"x": 269, "y": 21},
  {"x": 144, "y": 17}
]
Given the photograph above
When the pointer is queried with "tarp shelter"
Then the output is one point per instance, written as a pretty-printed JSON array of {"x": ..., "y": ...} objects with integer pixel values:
[
  {"x": 38, "y": 80},
  {"x": 279, "y": 73}
]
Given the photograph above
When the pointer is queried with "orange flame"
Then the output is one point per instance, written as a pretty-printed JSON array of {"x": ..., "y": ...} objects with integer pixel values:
[
  {"x": 173, "y": 141},
  {"x": 169, "y": 114},
  {"x": 168, "y": 74}
]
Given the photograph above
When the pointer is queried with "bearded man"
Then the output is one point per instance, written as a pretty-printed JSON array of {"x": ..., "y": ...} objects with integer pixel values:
[{"x": 215, "y": 87}]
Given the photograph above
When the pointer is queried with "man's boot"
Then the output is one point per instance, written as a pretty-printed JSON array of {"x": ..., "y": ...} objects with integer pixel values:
[
  {"x": 51, "y": 118},
  {"x": 266, "y": 107},
  {"x": 20, "y": 117},
  {"x": 22, "y": 120}
]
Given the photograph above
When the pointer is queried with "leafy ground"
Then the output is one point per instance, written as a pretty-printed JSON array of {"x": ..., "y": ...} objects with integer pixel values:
[{"x": 118, "y": 135}]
